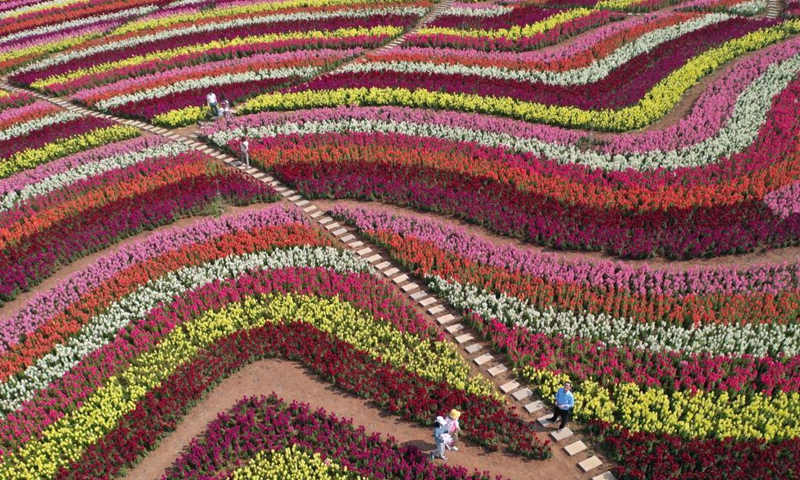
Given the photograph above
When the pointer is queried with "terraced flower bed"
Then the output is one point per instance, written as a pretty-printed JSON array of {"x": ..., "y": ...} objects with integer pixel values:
[
  {"x": 188, "y": 307},
  {"x": 160, "y": 67},
  {"x": 273, "y": 438},
  {"x": 633, "y": 129},
  {"x": 683, "y": 357}
]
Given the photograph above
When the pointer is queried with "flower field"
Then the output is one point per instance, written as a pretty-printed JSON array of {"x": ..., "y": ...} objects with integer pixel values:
[
  {"x": 706, "y": 358},
  {"x": 144, "y": 332},
  {"x": 616, "y": 186},
  {"x": 263, "y": 430},
  {"x": 71, "y": 185},
  {"x": 160, "y": 66}
]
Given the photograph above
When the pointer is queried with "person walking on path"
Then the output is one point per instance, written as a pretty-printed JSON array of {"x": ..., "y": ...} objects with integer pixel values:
[
  {"x": 244, "y": 146},
  {"x": 211, "y": 101},
  {"x": 453, "y": 428},
  {"x": 565, "y": 402},
  {"x": 439, "y": 433}
]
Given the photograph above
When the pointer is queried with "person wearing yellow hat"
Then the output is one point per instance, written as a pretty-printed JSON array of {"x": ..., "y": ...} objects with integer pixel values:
[{"x": 453, "y": 428}]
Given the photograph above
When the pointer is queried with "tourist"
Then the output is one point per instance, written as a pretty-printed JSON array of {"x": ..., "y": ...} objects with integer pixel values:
[
  {"x": 211, "y": 101},
  {"x": 224, "y": 107},
  {"x": 453, "y": 428},
  {"x": 244, "y": 146},
  {"x": 565, "y": 402},
  {"x": 439, "y": 437}
]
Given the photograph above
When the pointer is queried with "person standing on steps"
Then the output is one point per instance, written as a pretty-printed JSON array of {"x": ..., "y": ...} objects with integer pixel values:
[
  {"x": 211, "y": 101},
  {"x": 453, "y": 428},
  {"x": 439, "y": 433},
  {"x": 565, "y": 402},
  {"x": 244, "y": 146}
]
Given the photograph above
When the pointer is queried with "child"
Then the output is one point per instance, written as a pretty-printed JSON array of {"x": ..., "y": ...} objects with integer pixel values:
[
  {"x": 453, "y": 428},
  {"x": 439, "y": 438}
]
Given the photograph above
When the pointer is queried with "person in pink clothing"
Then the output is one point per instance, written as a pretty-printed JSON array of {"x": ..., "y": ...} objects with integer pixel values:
[{"x": 453, "y": 428}]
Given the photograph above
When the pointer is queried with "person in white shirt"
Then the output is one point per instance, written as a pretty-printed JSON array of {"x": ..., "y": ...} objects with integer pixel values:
[
  {"x": 244, "y": 146},
  {"x": 211, "y": 101}
]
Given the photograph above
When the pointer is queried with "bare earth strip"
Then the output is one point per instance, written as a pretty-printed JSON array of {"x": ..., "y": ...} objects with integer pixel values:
[{"x": 292, "y": 382}]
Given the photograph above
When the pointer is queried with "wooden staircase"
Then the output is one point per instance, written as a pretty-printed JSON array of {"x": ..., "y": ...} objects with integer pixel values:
[{"x": 774, "y": 8}]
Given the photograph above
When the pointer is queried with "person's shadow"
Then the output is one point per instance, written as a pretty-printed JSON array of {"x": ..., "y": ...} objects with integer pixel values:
[{"x": 422, "y": 445}]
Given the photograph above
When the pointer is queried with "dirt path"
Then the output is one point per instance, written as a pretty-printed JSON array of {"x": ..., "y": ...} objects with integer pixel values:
[
  {"x": 292, "y": 382},
  {"x": 775, "y": 256}
]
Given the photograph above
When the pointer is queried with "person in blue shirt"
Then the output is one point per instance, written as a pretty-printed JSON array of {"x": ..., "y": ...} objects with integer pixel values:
[
  {"x": 438, "y": 437},
  {"x": 565, "y": 402}
]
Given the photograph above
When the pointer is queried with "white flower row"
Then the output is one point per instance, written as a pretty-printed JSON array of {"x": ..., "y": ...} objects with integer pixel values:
[
  {"x": 751, "y": 8},
  {"x": 598, "y": 70},
  {"x": 758, "y": 340},
  {"x": 749, "y": 114},
  {"x": 103, "y": 328},
  {"x": 213, "y": 27},
  {"x": 53, "y": 28},
  {"x": 24, "y": 128},
  {"x": 205, "y": 82},
  {"x": 183, "y": 3},
  {"x": 486, "y": 12},
  {"x": 87, "y": 170}
]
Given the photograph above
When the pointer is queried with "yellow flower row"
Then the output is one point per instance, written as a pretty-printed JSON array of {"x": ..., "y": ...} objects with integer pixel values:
[
  {"x": 291, "y": 462},
  {"x": 616, "y": 4},
  {"x": 3, "y": 93},
  {"x": 240, "y": 10},
  {"x": 37, "y": 51},
  {"x": 33, "y": 157},
  {"x": 655, "y": 104},
  {"x": 698, "y": 415},
  {"x": 65, "y": 440},
  {"x": 181, "y": 117},
  {"x": 213, "y": 45},
  {"x": 513, "y": 33},
  {"x": 42, "y": 6}
]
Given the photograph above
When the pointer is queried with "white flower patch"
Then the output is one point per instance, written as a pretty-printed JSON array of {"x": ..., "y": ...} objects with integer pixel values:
[
  {"x": 749, "y": 9},
  {"x": 205, "y": 82},
  {"x": 87, "y": 170},
  {"x": 580, "y": 76},
  {"x": 759, "y": 340},
  {"x": 22, "y": 129},
  {"x": 475, "y": 12},
  {"x": 103, "y": 328}
]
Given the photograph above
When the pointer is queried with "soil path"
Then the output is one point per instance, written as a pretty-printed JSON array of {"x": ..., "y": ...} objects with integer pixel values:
[
  {"x": 772, "y": 257},
  {"x": 292, "y": 382}
]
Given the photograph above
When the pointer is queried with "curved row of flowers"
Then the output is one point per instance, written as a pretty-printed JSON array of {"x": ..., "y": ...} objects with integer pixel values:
[
  {"x": 532, "y": 306},
  {"x": 654, "y": 98},
  {"x": 72, "y": 205},
  {"x": 160, "y": 67},
  {"x": 262, "y": 433},
  {"x": 146, "y": 316},
  {"x": 36, "y": 132},
  {"x": 31, "y": 32},
  {"x": 436, "y": 161}
]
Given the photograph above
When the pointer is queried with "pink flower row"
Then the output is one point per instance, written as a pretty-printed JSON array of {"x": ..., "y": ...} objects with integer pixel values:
[
  {"x": 44, "y": 306},
  {"x": 606, "y": 274},
  {"x": 256, "y": 62}
]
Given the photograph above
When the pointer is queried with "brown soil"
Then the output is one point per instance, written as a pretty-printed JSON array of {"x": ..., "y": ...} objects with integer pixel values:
[
  {"x": 292, "y": 382},
  {"x": 775, "y": 256}
]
